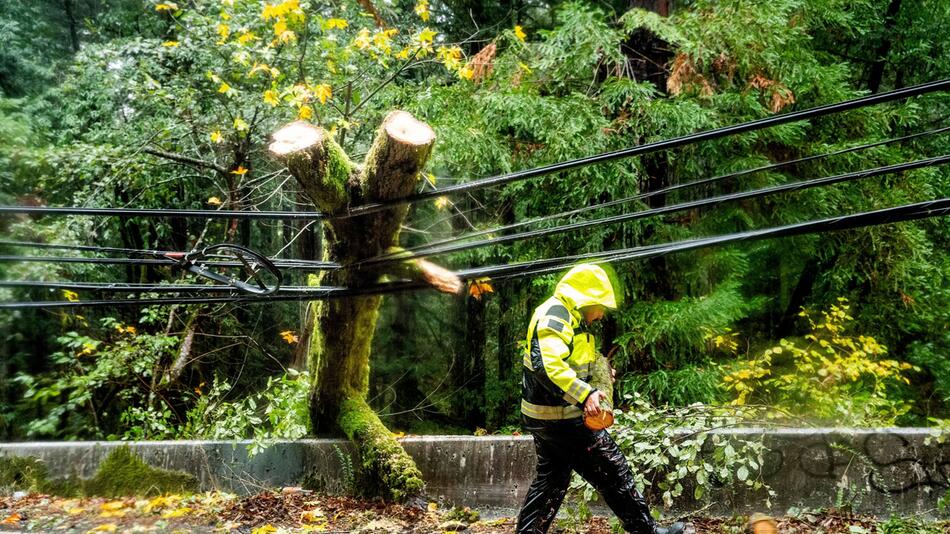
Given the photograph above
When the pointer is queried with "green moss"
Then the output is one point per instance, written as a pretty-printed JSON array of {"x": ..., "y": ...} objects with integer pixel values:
[
  {"x": 23, "y": 473},
  {"x": 384, "y": 466},
  {"x": 124, "y": 473}
]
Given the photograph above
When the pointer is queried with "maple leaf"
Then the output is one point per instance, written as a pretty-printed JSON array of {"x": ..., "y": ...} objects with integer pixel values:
[
  {"x": 520, "y": 34},
  {"x": 426, "y": 35},
  {"x": 71, "y": 296},
  {"x": 240, "y": 124},
  {"x": 323, "y": 92},
  {"x": 11, "y": 519},
  {"x": 240, "y": 171},
  {"x": 170, "y": 44},
  {"x": 270, "y": 97},
  {"x": 289, "y": 336},
  {"x": 422, "y": 10},
  {"x": 335, "y": 24},
  {"x": 479, "y": 287},
  {"x": 246, "y": 37},
  {"x": 216, "y": 136},
  {"x": 305, "y": 112},
  {"x": 170, "y": 6},
  {"x": 225, "y": 88}
]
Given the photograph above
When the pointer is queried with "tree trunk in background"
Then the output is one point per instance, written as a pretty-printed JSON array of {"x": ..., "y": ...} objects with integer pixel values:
[
  {"x": 71, "y": 22},
  {"x": 876, "y": 75},
  {"x": 342, "y": 331}
]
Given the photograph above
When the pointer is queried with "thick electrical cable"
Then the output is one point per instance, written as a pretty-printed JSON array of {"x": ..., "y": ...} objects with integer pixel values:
[
  {"x": 164, "y": 213},
  {"x": 920, "y": 210},
  {"x": 536, "y": 172},
  {"x": 292, "y": 264},
  {"x": 655, "y": 192},
  {"x": 639, "y": 150},
  {"x": 309, "y": 265},
  {"x": 706, "y": 202}
]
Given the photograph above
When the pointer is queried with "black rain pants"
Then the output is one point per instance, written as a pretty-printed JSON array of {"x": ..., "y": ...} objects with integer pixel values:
[{"x": 567, "y": 445}]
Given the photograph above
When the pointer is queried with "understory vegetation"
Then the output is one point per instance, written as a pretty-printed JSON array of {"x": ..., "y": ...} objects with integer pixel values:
[{"x": 130, "y": 103}]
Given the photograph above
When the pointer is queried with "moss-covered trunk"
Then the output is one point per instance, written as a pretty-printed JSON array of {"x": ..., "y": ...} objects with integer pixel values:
[{"x": 339, "y": 344}]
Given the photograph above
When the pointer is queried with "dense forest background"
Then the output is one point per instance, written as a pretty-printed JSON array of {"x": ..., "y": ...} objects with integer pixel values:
[{"x": 160, "y": 105}]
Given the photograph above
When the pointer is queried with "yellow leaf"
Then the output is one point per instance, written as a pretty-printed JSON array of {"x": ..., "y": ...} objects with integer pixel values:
[
  {"x": 257, "y": 68},
  {"x": 403, "y": 54},
  {"x": 75, "y": 510},
  {"x": 270, "y": 97},
  {"x": 71, "y": 296},
  {"x": 312, "y": 516},
  {"x": 305, "y": 112},
  {"x": 479, "y": 287},
  {"x": 264, "y": 529},
  {"x": 323, "y": 92},
  {"x": 214, "y": 201},
  {"x": 216, "y": 136},
  {"x": 431, "y": 178},
  {"x": 169, "y": 6},
  {"x": 466, "y": 73},
  {"x": 426, "y": 35},
  {"x": 246, "y": 37},
  {"x": 240, "y": 125},
  {"x": 422, "y": 10},
  {"x": 178, "y": 512},
  {"x": 112, "y": 506},
  {"x": 240, "y": 171},
  {"x": 224, "y": 31},
  {"x": 432, "y": 506},
  {"x": 224, "y": 88},
  {"x": 11, "y": 519},
  {"x": 520, "y": 34},
  {"x": 106, "y": 527},
  {"x": 442, "y": 203},
  {"x": 115, "y": 513},
  {"x": 335, "y": 24},
  {"x": 170, "y": 44},
  {"x": 289, "y": 336}
]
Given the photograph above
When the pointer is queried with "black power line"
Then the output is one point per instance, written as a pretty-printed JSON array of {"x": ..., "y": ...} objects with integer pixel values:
[
  {"x": 755, "y": 193},
  {"x": 639, "y": 150},
  {"x": 716, "y": 133},
  {"x": 920, "y": 210},
  {"x": 649, "y": 194}
]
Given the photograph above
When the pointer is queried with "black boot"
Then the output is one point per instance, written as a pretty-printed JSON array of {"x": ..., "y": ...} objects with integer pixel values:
[{"x": 675, "y": 528}]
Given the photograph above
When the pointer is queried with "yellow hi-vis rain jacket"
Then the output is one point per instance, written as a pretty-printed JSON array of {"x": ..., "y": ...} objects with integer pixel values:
[{"x": 559, "y": 353}]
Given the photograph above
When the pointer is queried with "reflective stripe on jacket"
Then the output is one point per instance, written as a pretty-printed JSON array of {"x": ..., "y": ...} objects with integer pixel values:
[{"x": 559, "y": 353}]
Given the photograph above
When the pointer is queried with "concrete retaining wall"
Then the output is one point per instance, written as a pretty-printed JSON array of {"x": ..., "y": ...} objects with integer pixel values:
[{"x": 875, "y": 471}]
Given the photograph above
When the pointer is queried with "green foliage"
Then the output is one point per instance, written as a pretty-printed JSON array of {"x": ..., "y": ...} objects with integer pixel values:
[
  {"x": 678, "y": 454},
  {"x": 278, "y": 411},
  {"x": 829, "y": 376}
]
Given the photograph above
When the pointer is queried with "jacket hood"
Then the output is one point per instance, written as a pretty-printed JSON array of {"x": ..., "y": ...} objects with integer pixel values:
[{"x": 586, "y": 285}]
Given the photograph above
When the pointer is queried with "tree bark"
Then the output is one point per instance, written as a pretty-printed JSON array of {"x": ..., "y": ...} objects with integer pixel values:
[
  {"x": 71, "y": 21},
  {"x": 876, "y": 75},
  {"x": 341, "y": 334}
]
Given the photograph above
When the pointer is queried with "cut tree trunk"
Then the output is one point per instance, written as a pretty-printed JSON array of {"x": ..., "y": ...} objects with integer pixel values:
[{"x": 342, "y": 330}]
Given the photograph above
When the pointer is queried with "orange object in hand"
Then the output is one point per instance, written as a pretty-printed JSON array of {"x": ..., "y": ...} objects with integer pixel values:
[{"x": 600, "y": 422}]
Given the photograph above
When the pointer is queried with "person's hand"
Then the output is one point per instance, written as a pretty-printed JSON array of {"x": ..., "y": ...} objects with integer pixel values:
[{"x": 592, "y": 404}]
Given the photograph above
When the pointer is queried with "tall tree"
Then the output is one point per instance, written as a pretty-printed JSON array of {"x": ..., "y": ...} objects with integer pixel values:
[{"x": 342, "y": 334}]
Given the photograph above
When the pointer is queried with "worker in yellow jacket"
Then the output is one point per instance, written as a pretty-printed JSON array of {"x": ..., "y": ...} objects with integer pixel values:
[{"x": 556, "y": 396}]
